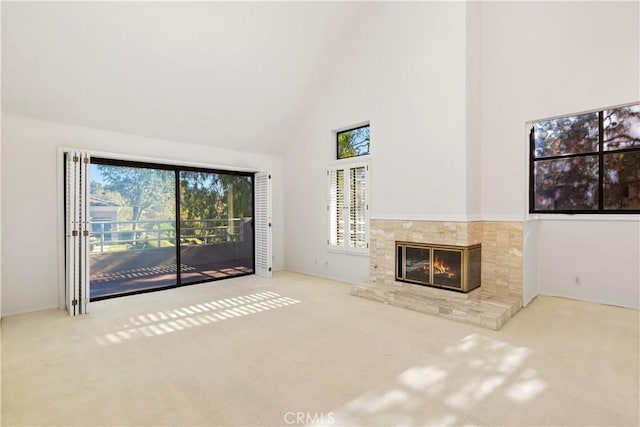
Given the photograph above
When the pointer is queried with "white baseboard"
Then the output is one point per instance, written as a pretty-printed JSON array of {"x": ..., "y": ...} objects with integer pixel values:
[
  {"x": 30, "y": 310},
  {"x": 307, "y": 273}
]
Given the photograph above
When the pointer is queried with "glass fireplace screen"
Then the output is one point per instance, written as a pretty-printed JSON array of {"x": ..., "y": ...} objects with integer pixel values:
[{"x": 443, "y": 266}]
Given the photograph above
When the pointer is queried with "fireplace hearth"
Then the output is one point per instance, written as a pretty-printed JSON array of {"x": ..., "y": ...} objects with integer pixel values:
[
  {"x": 490, "y": 305},
  {"x": 443, "y": 266}
]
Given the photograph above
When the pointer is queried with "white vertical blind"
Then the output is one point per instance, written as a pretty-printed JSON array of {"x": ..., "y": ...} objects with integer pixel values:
[
  {"x": 348, "y": 208},
  {"x": 336, "y": 207},
  {"x": 357, "y": 207},
  {"x": 262, "y": 220},
  {"x": 77, "y": 232}
]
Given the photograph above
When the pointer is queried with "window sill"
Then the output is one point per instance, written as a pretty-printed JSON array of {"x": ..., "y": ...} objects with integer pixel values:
[
  {"x": 345, "y": 251},
  {"x": 584, "y": 217}
]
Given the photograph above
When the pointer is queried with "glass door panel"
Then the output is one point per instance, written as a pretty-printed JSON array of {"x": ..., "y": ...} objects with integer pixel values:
[
  {"x": 216, "y": 225},
  {"x": 133, "y": 229}
]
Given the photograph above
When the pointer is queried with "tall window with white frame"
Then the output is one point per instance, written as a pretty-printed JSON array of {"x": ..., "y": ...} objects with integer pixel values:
[{"x": 348, "y": 205}]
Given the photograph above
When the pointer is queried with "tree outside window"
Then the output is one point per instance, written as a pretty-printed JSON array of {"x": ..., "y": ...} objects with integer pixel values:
[
  {"x": 353, "y": 142},
  {"x": 587, "y": 163}
]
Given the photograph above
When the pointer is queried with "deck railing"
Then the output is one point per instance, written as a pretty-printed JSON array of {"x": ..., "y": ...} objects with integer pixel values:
[{"x": 114, "y": 236}]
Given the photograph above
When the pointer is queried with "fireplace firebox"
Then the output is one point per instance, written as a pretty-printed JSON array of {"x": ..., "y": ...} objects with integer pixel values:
[{"x": 442, "y": 266}]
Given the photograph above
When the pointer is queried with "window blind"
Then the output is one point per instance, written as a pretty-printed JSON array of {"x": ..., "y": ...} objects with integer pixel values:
[
  {"x": 348, "y": 208},
  {"x": 263, "y": 228}
]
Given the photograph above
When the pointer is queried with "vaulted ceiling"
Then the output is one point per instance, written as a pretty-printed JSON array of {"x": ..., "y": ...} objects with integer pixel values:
[{"x": 235, "y": 75}]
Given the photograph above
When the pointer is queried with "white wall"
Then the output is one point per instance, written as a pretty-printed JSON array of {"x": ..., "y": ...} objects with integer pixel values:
[
  {"x": 1, "y": 222},
  {"x": 541, "y": 59},
  {"x": 605, "y": 258},
  {"x": 404, "y": 70},
  {"x": 0, "y": 194},
  {"x": 530, "y": 278},
  {"x": 473, "y": 51},
  {"x": 31, "y": 243}
]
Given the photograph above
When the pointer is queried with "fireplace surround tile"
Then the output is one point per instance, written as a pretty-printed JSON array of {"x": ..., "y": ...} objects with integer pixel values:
[{"x": 491, "y": 305}]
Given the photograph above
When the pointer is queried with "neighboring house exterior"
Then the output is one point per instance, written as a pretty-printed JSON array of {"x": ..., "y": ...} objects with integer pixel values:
[{"x": 104, "y": 217}]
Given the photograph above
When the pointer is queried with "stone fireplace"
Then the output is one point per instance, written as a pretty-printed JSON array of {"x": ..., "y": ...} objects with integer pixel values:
[{"x": 497, "y": 299}]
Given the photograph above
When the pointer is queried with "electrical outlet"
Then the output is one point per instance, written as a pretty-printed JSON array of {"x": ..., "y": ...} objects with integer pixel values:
[
  {"x": 577, "y": 281},
  {"x": 326, "y": 264}
]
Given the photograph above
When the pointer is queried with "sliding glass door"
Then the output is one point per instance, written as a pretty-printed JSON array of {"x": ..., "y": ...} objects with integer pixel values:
[
  {"x": 148, "y": 219},
  {"x": 216, "y": 217}
]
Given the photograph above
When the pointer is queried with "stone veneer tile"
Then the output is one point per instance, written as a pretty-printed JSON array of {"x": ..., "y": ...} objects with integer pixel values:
[{"x": 501, "y": 251}]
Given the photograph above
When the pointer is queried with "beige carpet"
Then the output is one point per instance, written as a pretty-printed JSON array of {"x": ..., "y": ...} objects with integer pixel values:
[{"x": 299, "y": 350}]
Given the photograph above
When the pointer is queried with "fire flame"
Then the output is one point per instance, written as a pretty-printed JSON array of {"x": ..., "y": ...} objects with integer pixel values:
[{"x": 440, "y": 267}]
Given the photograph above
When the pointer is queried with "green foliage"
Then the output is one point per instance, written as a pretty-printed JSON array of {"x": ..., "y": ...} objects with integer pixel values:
[
  {"x": 98, "y": 191},
  {"x": 622, "y": 180},
  {"x": 149, "y": 192},
  {"x": 567, "y": 135},
  {"x": 622, "y": 128},
  {"x": 163, "y": 244},
  {"x": 354, "y": 142},
  {"x": 206, "y": 195},
  {"x": 116, "y": 248},
  {"x": 240, "y": 186},
  {"x": 192, "y": 241},
  {"x": 200, "y": 195}
]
